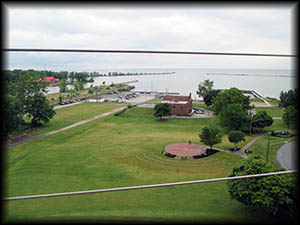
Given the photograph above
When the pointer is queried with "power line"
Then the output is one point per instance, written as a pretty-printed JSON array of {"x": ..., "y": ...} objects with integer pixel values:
[
  {"x": 143, "y": 52},
  {"x": 147, "y": 186}
]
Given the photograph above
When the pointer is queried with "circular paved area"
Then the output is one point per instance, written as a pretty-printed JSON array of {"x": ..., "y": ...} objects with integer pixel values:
[{"x": 184, "y": 149}]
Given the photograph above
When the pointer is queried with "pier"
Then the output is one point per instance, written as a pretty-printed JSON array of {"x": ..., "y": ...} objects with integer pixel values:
[
  {"x": 255, "y": 94},
  {"x": 157, "y": 93}
]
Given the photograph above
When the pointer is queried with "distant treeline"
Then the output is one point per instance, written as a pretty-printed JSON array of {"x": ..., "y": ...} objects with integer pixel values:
[
  {"x": 96, "y": 74},
  {"x": 13, "y": 75}
]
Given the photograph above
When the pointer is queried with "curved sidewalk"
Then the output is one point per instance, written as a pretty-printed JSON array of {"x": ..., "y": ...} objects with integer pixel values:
[{"x": 287, "y": 155}]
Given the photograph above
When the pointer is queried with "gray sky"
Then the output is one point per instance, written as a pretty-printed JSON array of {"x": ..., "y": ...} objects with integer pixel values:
[{"x": 245, "y": 29}]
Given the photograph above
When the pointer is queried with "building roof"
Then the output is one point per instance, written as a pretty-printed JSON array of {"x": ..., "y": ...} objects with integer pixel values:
[
  {"x": 176, "y": 98},
  {"x": 49, "y": 78},
  {"x": 174, "y": 102}
]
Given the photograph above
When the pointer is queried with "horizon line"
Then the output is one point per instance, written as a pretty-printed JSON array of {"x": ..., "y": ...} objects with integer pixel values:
[{"x": 145, "y": 52}]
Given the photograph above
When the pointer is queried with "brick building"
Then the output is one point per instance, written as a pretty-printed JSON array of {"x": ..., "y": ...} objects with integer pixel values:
[{"x": 180, "y": 105}]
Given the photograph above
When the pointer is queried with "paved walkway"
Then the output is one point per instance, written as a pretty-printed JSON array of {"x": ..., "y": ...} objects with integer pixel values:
[
  {"x": 241, "y": 152},
  {"x": 249, "y": 144},
  {"x": 287, "y": 155}
]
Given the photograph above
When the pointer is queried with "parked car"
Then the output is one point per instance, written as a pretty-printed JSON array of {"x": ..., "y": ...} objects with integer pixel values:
[
  {"x": 198, "y": 111},
  {"x": 284, "y": 132}
]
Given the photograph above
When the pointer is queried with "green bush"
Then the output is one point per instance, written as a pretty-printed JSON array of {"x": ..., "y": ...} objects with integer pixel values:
[
  {"x": 120, "y": 112},
  {"x": 91, "y": 90}
]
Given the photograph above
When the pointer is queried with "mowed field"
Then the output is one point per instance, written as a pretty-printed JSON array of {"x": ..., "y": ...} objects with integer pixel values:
[
  {"x": 118, "y": 151},
  {"x": 72, "y": 114}
]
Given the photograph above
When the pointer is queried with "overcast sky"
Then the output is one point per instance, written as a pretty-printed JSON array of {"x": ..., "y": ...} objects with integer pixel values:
[{"x": 245, "y": 29}]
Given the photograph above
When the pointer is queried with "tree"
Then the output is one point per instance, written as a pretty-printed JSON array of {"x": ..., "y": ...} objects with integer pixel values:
[
  {"x": 72, "y": 76},
  {"x": 288, "y": 98},
  {"x": 233, "y": 117},
  {"x": 262, "y": 120},
  {"x": 76, "y": 86},
  {"x": 204, "y": 87},
  {"x": 30, "y": 90},
  {"x": 210, "y": 96},
  {"x": 231, "y": 96},
  {"x": 81, "y": 76},
  {"x": 274, "y": 193},
  {"x": 290, "y": 116},
  {"x": 235, "y": 137},
  {"x": 62, "y": 85},
  {"x": 40, "y": 110},
  {"x": 210, "y": 136},
  {"x": 162, "y": 110},
  {"x": 12, "y": 114}
]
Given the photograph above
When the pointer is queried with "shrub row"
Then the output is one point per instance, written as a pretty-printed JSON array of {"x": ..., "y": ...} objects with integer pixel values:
[
  {"x": 208, "y": 152},
  {"x": 120, "y": 112},
  {"x": 170, "y": 155}
]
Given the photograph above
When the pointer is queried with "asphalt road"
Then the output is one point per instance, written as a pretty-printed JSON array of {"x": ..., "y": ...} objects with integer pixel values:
[{"x": 287, "y": 155}]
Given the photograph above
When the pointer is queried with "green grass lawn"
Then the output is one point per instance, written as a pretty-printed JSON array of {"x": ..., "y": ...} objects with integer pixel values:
[
  {"x": 256, "y": 100},
  {"x": 273, "y": 111},
  {"x": 69, "y": 115},
  {"x": 202, "y": 106},
  {"x": 117, "y": 151},
  {"x": 273, "y": 101}
]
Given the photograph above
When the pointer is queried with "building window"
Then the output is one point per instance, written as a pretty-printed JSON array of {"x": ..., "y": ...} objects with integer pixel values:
[{"x": 174, "y": 106}]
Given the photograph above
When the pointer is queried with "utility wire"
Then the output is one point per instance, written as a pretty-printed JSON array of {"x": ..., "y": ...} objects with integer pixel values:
[
  {"x": 143, "y": 52},
  {"x": 147, "y": 186}
]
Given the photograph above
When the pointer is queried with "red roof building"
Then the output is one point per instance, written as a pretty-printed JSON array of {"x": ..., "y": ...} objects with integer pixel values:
[
  {"x": 49, "y": 78},
  {"x": 52, "y": 79}
]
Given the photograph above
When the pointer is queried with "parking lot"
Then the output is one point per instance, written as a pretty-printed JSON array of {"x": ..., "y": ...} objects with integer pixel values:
[{"x": 130, "y": 97}]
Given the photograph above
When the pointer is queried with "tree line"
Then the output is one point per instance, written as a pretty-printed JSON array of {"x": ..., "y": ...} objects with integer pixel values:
[
  {"x": 13, "y": 75},
  {"x": 232, "y": 107},
  {"x": 72, "y": 76},
  {"x": 234, "y": 113},
  {"x": 289, "y": 101}
]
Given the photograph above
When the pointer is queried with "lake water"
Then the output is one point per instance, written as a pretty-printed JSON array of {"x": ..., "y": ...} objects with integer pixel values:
[{"x": 269, "y": 83}]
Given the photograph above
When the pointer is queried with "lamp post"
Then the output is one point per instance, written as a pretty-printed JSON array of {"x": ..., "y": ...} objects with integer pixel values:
[
  {"x": 251, "y": 123},
  {"x": 268, "y": 149}
]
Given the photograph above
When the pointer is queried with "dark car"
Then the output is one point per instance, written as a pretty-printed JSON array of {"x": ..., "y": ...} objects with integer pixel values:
[
  {"x": 284, "y": 132},
  {"x": 198, "y": 111}
]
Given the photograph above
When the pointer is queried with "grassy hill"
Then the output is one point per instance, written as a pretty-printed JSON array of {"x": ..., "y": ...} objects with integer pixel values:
[{"x": 117, "y": 151}]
